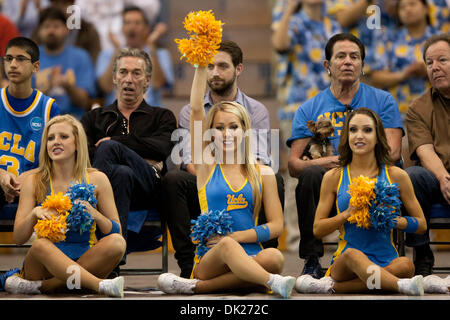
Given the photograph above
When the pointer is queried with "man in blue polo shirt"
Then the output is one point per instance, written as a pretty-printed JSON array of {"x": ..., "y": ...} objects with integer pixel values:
[{"x": 344, "y": 54}]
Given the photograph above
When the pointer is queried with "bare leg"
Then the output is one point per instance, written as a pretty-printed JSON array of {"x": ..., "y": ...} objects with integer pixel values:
[
  {"x": 227, "y": 266},
  {"x": 46, "y": 261},
  {"x": 350, "y": 272}
]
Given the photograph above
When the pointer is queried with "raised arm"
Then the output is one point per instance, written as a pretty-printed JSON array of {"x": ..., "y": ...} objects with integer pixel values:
[
  {"x": 280, "y": 36},
  {"x": 198, "y": 114}
]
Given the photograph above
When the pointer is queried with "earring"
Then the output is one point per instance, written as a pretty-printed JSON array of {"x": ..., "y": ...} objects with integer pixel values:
[{"x": 329, "y": 72}]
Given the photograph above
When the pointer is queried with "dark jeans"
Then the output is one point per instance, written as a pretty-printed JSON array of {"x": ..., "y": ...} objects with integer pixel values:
[
  {"x": 307, "y": 196},
  {"x": 428, "y": 192},
  {"x": 135, "y": 183},
  {"x": 180, "y": 196}
]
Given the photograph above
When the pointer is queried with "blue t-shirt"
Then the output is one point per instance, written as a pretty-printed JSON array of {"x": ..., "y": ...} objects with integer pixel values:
[
  {"x": 80, "y": 62},
  {"x": 326, "y": 105}
]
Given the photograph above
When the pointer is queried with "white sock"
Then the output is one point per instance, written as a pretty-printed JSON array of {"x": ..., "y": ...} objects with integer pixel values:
[{"x": 271, "y": 279}]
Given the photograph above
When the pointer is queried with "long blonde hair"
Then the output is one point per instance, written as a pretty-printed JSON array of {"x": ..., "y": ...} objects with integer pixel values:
[
  {"x": 251, "y": 171},
  {"x": 82, "y": 163}
]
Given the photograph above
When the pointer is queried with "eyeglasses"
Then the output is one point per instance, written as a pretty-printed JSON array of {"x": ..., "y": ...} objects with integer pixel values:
[{"x": 19, "y": 59}]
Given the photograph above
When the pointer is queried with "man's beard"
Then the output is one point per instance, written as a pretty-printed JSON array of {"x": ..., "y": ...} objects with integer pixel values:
[
  {"x": 223, "y": 88},
  {"x": 53, "y": 43}
]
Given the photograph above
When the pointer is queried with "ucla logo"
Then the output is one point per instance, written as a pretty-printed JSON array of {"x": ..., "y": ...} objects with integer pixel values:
[
  {"x": 236, "y": 202},
  {"x": 36, "y": 123}
]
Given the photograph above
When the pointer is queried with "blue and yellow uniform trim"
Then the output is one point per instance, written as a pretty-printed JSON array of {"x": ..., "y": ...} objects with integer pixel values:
[{"x": 378, "y": 246}]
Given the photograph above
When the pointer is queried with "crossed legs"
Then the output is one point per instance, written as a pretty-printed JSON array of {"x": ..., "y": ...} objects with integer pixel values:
[
  {"x": 351, "y": 270},
  {"x": 227, "y": 266},
  {"x": 44, "y": 261}
]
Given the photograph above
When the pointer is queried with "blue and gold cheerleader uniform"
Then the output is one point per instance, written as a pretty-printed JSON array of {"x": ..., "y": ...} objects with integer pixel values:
[
  {"x": 22, "y": 124},
  {"x": 76, "y": 242},
  {"x": 218, "y": 194},
  {"x": 377, "y": 246}
]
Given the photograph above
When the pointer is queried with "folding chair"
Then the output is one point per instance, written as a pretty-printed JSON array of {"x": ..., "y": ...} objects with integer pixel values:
[
  {"x": 440, "y": 219},
  {"x": 145, "y": 227}
]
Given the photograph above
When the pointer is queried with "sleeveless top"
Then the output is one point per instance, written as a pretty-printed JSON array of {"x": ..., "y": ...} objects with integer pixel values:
[
  {"x": 20, "y": 136},
  {"x": 377, "y": 246},
  {"x": 218, "y": 194}
]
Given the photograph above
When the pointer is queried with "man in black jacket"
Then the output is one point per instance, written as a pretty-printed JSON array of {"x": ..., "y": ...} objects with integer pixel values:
[{"x": 129, "y": 140}]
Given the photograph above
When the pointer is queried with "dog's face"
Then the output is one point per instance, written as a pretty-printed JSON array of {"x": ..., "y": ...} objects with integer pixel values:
[{"x": 322, "y": 128}]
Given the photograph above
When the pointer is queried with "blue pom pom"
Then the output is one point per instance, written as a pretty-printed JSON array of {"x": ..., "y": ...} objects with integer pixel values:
[
  {"x": 79, "y": 220},
  {"x": 207, "y": 225},
  {"x": 385, "y": 207},
  {"x": 82, "y": 191}
]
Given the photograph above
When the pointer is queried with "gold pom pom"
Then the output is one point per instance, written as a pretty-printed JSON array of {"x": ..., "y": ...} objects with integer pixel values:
[
  {"x": 361, "y": 192},
  {"x": 204, "y": 40},
  {"x": 55, "y": 228}
]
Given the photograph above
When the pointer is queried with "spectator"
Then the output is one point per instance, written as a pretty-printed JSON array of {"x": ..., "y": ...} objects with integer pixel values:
[
  {"x": 427, "y": 122},
  {"x": 67, "y": 72},
  {"x": 440, "y": 15},
  {"x": 20, "y": 106},
  {"x": 181, "y": 184},
  {"x": 344, "y": 54},
  {"x": 85, "y": 35},
  {"x": 137, "y": 32},
  {"x": 400, "y": 68},
  {"x": 300, "y": 30},
  {"x": 106, "y": 16},
  {"x": 24, "y": 14},
  {"x": 354, "y": 15},
  {"x": 130, "y": 140}
]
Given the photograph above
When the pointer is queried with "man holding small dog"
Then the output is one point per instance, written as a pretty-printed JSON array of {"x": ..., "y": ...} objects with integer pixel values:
[{"x": 344, "y": 63}]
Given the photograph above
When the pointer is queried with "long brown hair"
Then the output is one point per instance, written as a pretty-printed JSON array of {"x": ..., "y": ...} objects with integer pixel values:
[
  {"x": 82, "y": 163},
  {"x": 382, "y": 148}
]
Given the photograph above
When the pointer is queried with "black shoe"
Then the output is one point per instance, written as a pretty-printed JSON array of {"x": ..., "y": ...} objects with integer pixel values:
[
  {"x": 313, "y": 267},
  {"x": 115, "y": 273},
  {"x": 186, "y": 272},
  {"x": 423, "y": 266}
]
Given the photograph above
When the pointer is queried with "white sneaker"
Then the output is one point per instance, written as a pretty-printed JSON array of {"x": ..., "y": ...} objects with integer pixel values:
[
  {"x": 112, "y": 287},
  {"x": 307, "y": 284},
  {"x": 447, "y": 281},
  {"x": 434, "y": 284},
  {"x": 282, "y": 285},
  {"x": 170, "y": 283},
  {"x": 17, "y": 285},
  {"x": 411, "y": 287}
]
